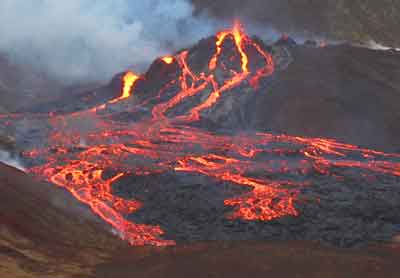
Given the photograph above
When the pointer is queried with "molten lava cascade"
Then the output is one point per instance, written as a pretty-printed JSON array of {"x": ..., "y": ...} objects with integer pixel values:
[
  {"x": 128, "y": 81},
  {"x": 171, "y": 143}
]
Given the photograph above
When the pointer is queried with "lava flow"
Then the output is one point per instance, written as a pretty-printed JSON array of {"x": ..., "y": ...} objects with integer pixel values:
[
  {"x": 166, "y": 141},
  {"x": 128, "y": 81}
]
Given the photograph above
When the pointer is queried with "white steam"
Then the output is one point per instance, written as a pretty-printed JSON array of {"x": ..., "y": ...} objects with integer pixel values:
[
  {"x": 377, "y": 46},
  {"x": 6, "y": 158},
  {"x": 94, "y": 39}
]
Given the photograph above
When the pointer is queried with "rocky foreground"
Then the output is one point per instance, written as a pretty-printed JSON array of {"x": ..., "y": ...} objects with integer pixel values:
[{"x": 44, "y": 232}]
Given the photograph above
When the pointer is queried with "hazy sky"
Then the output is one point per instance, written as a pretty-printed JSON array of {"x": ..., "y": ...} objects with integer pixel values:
[{"x": 94, "y": 39}]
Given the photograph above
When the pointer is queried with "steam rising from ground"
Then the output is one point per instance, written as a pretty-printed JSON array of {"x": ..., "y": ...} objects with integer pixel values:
[
  {"x": 6, "y": 158},
  {"x": 377, "y": 46},
  {"x": 91, "y": 39}
]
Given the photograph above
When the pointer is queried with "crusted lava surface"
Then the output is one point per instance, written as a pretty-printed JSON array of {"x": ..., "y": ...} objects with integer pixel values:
[{"x": 181, "y": 153}]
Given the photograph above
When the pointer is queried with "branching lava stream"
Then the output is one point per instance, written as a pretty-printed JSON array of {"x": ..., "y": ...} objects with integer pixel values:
[{"x": 262, "y": 162}]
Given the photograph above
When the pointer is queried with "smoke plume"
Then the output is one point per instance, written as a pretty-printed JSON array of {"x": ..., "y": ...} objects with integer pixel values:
[{"x": 92, "y": 39}]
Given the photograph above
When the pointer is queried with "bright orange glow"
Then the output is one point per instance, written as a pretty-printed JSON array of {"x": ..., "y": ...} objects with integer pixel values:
[
  {"x": 239, "y": 36},
  {"x": 168, "y": 59},
  {"x": 129, "y": 80},
  {"x": 163, "y": 143}
]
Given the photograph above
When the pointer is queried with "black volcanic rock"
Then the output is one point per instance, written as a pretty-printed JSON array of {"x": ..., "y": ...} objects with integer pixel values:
[
  {"x": 44, "y": 232},
  {"x": 286, "y": 40},
  {"x": 342, "y": 92},
  {"x": 356, "y": 20},
  {"x": 310, "y": 43}
]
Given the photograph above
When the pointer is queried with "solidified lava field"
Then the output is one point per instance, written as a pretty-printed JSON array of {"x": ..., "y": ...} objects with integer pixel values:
[{"x": 168, "y": 157}]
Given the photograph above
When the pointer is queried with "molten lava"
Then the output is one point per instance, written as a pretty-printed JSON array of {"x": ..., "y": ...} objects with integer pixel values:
[
  {"x": 163, "y": 142},
  {"x": 129, "y": 80},
  {"x": 168, "y": 60}
]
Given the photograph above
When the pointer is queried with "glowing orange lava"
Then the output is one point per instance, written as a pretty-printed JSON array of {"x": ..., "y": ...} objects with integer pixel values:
[
  {"x": 168, "y": 59},
  {"x": 162, "y": 143},
  {"x": 129, "y": 80}
]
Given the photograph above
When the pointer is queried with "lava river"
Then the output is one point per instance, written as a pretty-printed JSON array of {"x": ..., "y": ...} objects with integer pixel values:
[{"x": 263, "y": 163}]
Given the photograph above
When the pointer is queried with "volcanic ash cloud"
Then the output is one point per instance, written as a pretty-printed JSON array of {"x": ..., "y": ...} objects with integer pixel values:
[{"x": 92, "y": 40}]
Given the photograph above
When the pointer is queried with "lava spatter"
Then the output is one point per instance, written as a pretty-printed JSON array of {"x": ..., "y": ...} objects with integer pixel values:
[{"x": 164, "y": 142}]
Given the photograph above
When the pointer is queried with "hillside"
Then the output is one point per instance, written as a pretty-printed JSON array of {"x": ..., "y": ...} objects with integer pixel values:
[
  {"x": 45, "y": 232},
  {"x": 356, "y": 20},
  {"x": 23, "y": 84}
]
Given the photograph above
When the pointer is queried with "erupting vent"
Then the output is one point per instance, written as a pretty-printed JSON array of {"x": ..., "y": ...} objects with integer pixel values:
[{"x": 274, "y": 168}]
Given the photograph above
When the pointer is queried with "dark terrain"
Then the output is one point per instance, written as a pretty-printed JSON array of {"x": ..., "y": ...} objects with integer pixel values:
[
  {"x": 340, "y": 92},
  {"x": 44, "y": 232},
  {"x": 356, "y": 20}
]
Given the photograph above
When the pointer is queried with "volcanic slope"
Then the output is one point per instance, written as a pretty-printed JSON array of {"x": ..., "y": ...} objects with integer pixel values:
[
  {"x": 45, "y": 232},
  {"x": 182, "y": 154},
  {"x": 357, "y": 20},
  {"x": 23, "y": 85}
]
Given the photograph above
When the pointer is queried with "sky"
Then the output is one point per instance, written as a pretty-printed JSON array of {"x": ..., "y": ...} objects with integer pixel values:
[{"x": 92, "y": 40}]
